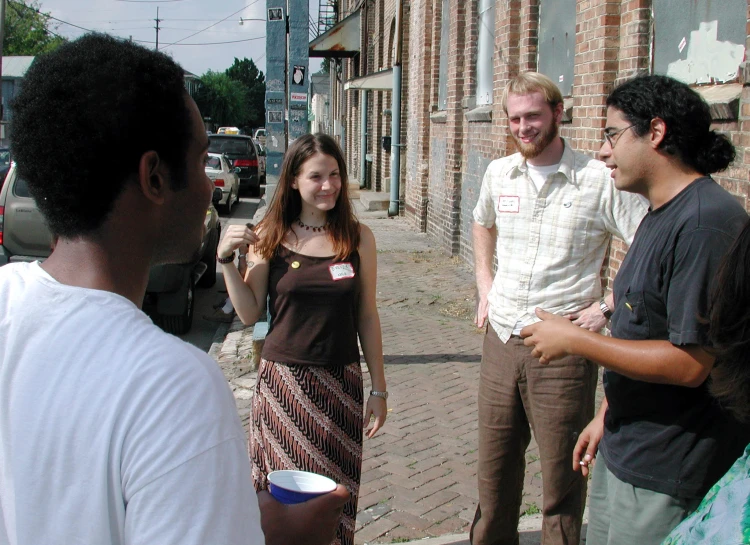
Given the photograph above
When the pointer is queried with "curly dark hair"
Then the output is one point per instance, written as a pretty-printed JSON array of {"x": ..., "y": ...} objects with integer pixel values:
[
  {"x": 729, "y": 329},
  {"x": 85, "y": 115},
  {"x": 686, "y": 115}
]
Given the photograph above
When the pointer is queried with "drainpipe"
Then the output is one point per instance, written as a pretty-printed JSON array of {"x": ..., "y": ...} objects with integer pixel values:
[
  {"x": 396, "y": 119},
  {"x": 363, "y": 140}
]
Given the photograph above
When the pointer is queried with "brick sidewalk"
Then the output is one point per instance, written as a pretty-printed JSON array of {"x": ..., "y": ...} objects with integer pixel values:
[{"x": 419, "y": 473}]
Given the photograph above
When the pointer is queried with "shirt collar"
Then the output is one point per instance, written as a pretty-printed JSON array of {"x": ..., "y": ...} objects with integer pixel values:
[{"x": 566, "y": 167}]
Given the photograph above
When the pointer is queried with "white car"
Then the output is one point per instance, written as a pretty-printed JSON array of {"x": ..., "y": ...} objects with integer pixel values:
[{"x": 224, "y": 177}]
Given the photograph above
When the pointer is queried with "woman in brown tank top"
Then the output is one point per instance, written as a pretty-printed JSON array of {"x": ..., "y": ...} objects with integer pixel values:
[{"x": 317, "y": 265}]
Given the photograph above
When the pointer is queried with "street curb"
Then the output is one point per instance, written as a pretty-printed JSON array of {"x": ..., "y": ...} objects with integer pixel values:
[
  {"x": 218, "y": 340},
  {"x": 529, "y": 523},
  {"x": 455, "y": 539}
]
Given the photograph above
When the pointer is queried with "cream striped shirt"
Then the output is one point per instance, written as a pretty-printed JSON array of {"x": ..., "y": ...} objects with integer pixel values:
[{"x": 551, "y": 243}]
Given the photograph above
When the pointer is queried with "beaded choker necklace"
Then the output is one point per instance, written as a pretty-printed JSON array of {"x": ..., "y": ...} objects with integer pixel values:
[{"x": 319, "y": 229}]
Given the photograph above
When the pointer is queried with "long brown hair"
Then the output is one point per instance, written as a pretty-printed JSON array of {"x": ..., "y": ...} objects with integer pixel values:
[
  {"x": 729, "y": 329},
  {"x": 343, "y": 227}
]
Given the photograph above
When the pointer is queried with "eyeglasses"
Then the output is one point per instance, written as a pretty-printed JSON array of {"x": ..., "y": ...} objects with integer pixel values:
[{"x": 610, "y": 136}]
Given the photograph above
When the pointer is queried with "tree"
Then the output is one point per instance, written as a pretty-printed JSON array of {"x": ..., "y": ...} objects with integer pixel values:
[
  {"x": 222, "y": 99},
  {"x": 28, "y": 31},
  {"x": 245, "y": 72}
]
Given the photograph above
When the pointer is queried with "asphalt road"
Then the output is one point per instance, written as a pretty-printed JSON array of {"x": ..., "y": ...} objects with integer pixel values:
[{"x": 203, "y": 331}]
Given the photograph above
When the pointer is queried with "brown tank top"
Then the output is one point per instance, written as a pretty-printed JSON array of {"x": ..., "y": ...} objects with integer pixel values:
[{"x": 314, "y": 303}]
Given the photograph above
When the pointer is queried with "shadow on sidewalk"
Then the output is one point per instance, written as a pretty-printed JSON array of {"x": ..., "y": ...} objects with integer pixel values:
[{"x": 430, "y": 358}]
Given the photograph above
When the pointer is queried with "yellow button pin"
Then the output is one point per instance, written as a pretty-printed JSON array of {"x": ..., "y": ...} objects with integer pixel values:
[
  {"x": 295, "y": 264},
  {"x": 629, "y": 307}
]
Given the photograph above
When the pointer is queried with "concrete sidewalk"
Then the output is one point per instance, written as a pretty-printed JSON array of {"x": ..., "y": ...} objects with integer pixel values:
[{"x": 419, "y": 473}]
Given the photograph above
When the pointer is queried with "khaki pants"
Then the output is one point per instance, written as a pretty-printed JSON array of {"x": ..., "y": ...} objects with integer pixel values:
[
  {"x": 557, "y": 401},
  {"x": 623, "y": 514}
]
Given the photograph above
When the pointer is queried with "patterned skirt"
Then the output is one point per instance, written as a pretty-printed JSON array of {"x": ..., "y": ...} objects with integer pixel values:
[{"x": 310, "y": 418}]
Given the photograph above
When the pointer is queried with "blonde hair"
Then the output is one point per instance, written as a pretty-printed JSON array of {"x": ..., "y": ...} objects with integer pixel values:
[{"x": 532, "y": 82}]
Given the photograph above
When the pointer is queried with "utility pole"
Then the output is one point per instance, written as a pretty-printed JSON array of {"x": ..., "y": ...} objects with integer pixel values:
[
  {"x": 2, "y": 37},
  {"x": 157, "y": 27}
]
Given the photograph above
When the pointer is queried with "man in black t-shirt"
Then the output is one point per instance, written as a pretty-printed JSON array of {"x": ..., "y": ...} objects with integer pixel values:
[{"x": 663, "y": 440}]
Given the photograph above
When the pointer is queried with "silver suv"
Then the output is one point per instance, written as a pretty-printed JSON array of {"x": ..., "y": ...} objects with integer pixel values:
[{"x": 170, "y": 294}]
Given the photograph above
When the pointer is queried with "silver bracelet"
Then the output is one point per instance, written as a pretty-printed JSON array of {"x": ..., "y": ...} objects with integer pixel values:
[
  {"x": 384, "y": 395},
  {"x": 242, "y": 256}
]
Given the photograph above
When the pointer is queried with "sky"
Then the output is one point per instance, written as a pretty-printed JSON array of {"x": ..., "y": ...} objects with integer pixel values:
[{"x": 179, "y": 20}]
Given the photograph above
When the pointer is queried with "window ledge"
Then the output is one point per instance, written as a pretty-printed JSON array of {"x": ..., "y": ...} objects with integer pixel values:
[
  {"x": 480, "y": 114},
  {"x": 723, "y": 100},
  {"x": 567, "y": 116},
  {"x": 439, "y": 117}
]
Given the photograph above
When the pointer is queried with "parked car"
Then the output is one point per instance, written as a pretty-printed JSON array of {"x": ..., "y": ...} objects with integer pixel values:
[
  {"x": 261, "y": 161},
  {"x": 170, "y": 294},
  {"x": 4, "y": 164},
  {"x": 241, "y": 151},
  {"x": 225, "y": 178}
]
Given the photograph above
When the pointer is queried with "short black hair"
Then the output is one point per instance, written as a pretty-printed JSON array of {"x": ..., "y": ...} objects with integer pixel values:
[
  {"x": 85, "y": 115},
  {"x": 686, "y": 115}
]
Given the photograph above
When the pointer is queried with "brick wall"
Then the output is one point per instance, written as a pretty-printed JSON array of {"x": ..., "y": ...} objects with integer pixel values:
[
  {"x": 420, "y": 55},
  {"x": 448, "y": 152}
]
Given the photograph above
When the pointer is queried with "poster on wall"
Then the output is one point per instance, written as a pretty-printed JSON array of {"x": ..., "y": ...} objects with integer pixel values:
[
  {"x": 275, "y": 14},
  {"x": 298, "y": 75}
]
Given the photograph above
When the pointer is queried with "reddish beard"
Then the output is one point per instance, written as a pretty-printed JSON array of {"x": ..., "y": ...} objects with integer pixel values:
[{"x": 534, "y": 149}]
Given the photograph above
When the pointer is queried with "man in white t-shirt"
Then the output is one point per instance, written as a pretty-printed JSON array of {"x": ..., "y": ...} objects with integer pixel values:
[
  {"x": 111, "y": 431},
  {"x": 548, "y": 214}
]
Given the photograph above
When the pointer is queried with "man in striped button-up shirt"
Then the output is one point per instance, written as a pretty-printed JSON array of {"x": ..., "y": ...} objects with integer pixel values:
[{"x": 548, "y": 214}]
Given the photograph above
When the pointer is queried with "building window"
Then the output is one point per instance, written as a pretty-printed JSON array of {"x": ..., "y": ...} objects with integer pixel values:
[
  {"x": 485, "y": 51},
  {"x": 445, "y": 31},
  {"x": 699, "y": 41},
  {"x": 557, "y": 42}
]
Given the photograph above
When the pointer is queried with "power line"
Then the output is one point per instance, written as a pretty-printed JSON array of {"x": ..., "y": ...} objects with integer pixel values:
[
  {"x": 14, "y": 4},
  {"x": 214, "y": 24},
  {"x": 240, "y": 32},
  {"x": 32, "y": 8},
  {"x": 209, "y": 43}
]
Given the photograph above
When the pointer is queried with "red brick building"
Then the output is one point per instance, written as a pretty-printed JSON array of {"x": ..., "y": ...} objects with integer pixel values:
[{"x": 458, "y": 55}]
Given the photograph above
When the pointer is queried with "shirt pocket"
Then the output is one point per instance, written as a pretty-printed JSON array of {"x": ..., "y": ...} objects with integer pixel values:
[
  {"x": 635, "y": 322},
  {"x": 569, "y": 231}
]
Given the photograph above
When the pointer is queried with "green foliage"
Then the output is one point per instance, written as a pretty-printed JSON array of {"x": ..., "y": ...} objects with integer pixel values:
[
  {"x": 27, "y": 30},
  {"x": 222, "y": 99},
  {"x": 245, "y": 72},
  {"x": 235, "y": 98},
  {"x": 532, "y": 509}
]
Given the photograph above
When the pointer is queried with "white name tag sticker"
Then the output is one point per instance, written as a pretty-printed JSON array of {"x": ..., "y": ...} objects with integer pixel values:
[
  {"x": 339, "y": 271},
  {"x": 508, "y": 204}
]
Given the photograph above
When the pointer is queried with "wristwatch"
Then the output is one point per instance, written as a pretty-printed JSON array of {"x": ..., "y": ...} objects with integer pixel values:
[
  {"x": 384, "y": 395},
  {"x": 605, "y": 309}
]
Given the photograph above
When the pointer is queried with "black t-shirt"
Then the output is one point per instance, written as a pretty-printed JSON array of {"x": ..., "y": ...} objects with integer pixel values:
[{"x": 671, "y": 439}]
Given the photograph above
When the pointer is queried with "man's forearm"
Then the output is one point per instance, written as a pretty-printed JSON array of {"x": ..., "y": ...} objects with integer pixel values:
[
  {"x": 484, "y": 251},
  {"x": 648, "y": 360}
]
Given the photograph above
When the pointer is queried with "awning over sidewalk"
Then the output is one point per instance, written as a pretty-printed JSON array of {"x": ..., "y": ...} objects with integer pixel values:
[
  {"x": 340, "y": 41},
  {"x": 379, "y": 81}
]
